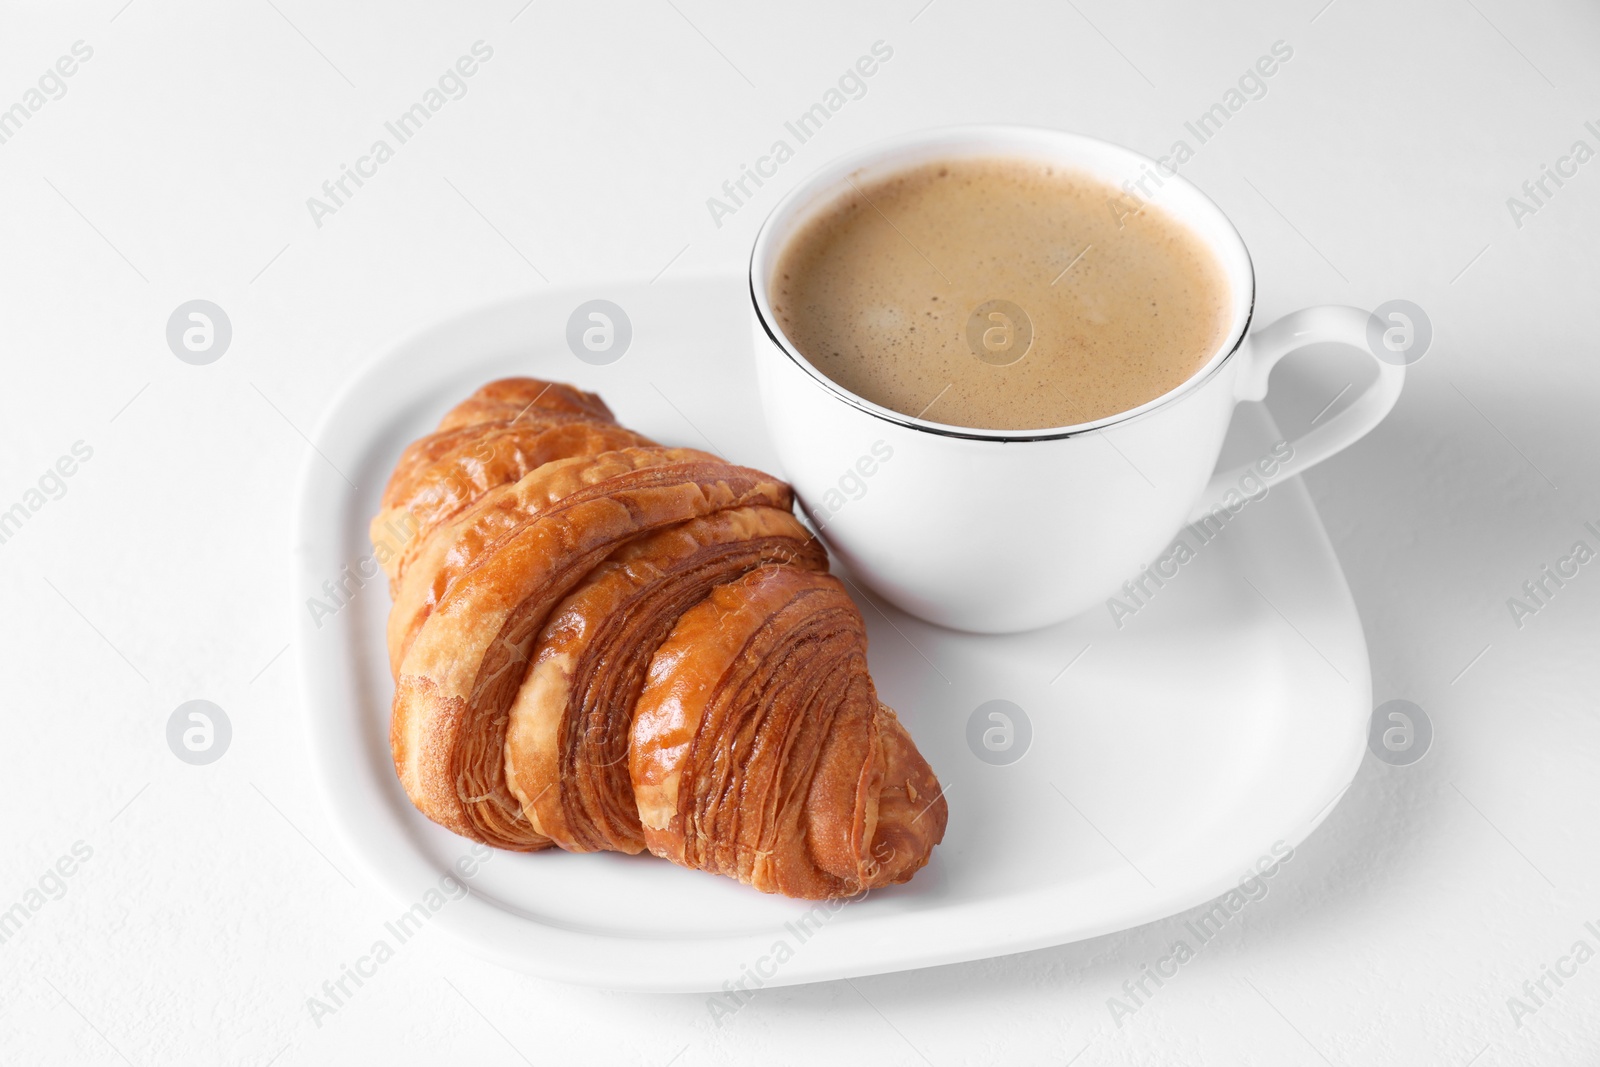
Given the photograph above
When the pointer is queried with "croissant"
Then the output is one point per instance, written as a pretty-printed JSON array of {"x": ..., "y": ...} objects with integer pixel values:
[{"x": 600, "y": 643}]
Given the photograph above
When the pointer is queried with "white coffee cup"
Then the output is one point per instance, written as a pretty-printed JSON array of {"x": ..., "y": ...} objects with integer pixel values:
[{"x": 997, "y": 531}]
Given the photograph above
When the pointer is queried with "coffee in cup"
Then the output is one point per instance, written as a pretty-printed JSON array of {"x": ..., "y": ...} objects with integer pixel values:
[{"x": 1000, "y": 293}]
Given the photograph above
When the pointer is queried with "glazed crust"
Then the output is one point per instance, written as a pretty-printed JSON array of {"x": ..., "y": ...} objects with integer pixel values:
[
  {"x": 828, "y": 796},
  {"x": 485, "y": 458},
  {"x": 569, "y": 730},
  {"x": 604, "y": 644},
  {"x": 463, "y": 655}
]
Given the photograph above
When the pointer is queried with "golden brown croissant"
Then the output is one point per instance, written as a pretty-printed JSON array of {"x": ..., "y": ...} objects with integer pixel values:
[{"x": 602, "y": 643}]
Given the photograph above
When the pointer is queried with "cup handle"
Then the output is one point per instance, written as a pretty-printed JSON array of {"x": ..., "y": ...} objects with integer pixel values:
[{"x": 1264, "y": 348}]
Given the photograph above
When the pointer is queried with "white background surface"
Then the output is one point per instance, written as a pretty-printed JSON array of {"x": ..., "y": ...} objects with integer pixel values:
[{"x": 177, "y": 166}]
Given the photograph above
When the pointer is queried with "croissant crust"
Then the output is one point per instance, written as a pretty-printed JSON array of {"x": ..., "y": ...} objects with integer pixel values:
[{"x": 604, "y": 644}]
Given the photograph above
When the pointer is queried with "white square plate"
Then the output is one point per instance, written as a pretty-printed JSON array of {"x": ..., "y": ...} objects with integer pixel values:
[{"x": 1167, "y": 756}]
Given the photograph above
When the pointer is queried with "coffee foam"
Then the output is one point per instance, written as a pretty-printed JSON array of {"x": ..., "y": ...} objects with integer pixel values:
[{"x": 878, "y": 291}]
